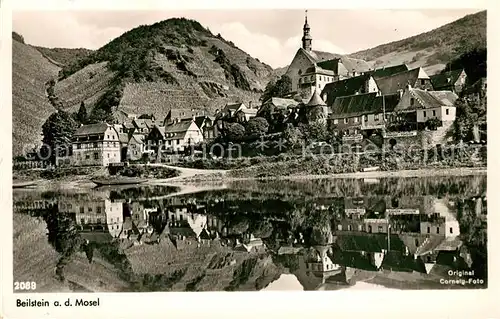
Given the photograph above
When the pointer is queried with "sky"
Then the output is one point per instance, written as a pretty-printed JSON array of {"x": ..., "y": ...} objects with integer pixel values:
[{"x": 272, "y": 36}]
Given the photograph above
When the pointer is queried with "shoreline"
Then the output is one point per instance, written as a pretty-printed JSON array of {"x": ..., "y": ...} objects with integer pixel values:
[{"x": 208, "y": 177}]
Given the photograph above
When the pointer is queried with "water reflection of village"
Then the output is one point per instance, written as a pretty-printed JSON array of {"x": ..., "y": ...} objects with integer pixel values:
[{"x": 403, "y": 238}]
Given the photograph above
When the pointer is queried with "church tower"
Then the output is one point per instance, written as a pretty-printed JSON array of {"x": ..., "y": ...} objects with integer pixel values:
[{"x": 306, "y": 38}]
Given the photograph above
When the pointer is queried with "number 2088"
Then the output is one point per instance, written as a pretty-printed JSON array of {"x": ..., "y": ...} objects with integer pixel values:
[{"x": 24, "y": 285}]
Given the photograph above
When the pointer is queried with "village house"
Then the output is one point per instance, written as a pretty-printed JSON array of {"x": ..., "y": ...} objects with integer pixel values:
[
  {"x": 145, "y": 125},
  {"x": 244, "y": 115},
  {"x": 174, "y": 138},
  {"x": 424, "y": 105},
  {"x": 416, "y": 78},
  {"x": 207, "y": 126},
  {"x": 449, "y": 81},
  {"x": 96, "y": 145},
  {"x": 352, "y": 114},
  {"x": 356, "y": 85},
  {"x": 135, "y": 147},
  {"x": 176, "y": 115},
  {"x": 319, "y": 261},
  {"x": 230, "y": 110},
  {"x": 311, "y": 69},
  {"x": 96, "y": 215}
]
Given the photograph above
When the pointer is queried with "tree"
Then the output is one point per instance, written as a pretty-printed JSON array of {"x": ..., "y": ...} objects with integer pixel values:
[
  {"x": 81, "y": 116},
  {"x": 57, "y": 132},
  {"x": 292, "y": 135},
  {"x": 257, "y": 126},
  {"x": 315, "y": 131},
  {"x": 278, "y": 88},
  {"x": 235, "y": 131}
]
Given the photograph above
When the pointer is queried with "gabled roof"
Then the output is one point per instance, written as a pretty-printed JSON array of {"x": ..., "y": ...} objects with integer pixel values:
[
  {"x": 281, "y": 103},
  {"x": 137, "y": 138},
  {"x": 357, "y": 65},
  {"x": 429, "y": 99},
  {"x": 445, "y": 79},
  {"x": 317, "y": 69},
  {"x": 389, "y": 70},
  {"x": 233, "y": 106},
  {"x": 248, "y": 111},
  {"x": 175, "y": 131},
  {"x": 92, "y": 129},
  {"x": 344, "y": 87},
  {"x": 391, "y": 84},
  {"x": 198, "y": 120},
  {"x": 360, "y": 104},
  {"x": 143, "y": 123}
]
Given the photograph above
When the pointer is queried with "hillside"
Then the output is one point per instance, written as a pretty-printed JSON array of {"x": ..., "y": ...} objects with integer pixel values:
[
  {"x": 63, "y": 56},
  {"x": 432, "y": 49},
  {"x": 175, "y": 63},
  {"x": 30, "y": 106}
]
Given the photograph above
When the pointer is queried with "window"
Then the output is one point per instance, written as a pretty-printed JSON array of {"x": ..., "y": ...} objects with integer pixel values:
[
  {"x": 78, "y": 146},
  {"x": 89, "y": 209},
  {"x": 108, "y": 155},
  {"x": 437, "y": 230},
  {"x": 178, "y": 141},
  {"x": 434, "y": 113},
  {"x": 428, "y": 230},
  {"x": 87, "y": 156},
  {"x": 422, "y": 82},
  {"x": 447, "y": 111},
  {"x": 335, "y": 121},
  {"x": 356, "y": 119},
  {"x": 82, "y": 221},
  {"x": 95, "y": 145},
  {"x": 349, "y": 227},
  {"x": 346, "y": 121},
  {"x": 108, "y": 136},
  {"x": 412, "y": 101},
  {"x": 365, "y": 117},
  {"x": 375, "y": 117},
  {"x": 82, "y": 210},
  {"x": 380, "y": 229},
  {"x": 425, "y": 114},
  {"x": 319, "y": 86},
  {"x": 451, "y": 230},
  {"x": 96, "y": 155},
  {"x": 98, "y": 221}
]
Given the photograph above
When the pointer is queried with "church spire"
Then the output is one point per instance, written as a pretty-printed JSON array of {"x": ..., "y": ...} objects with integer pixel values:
[{"x": 306, "y": 37}]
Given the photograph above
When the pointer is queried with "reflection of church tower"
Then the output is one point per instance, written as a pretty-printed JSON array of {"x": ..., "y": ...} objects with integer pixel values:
[{"x": 306, "y": 38}]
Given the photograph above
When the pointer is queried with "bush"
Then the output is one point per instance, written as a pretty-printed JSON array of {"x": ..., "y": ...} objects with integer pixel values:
[{"x": 257, "y": 126}]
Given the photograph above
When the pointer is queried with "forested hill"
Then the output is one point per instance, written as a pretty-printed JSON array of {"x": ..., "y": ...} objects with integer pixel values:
[{"x": 176, "y": 63}]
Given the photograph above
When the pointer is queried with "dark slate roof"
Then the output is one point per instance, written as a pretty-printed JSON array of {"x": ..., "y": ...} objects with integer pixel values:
[
  {"x": 320, "y": 70},
  {"x": 97, "y": 237},
  {"x": 391, "y": 84},
  {"x": 388, "y": 71},
  {"x": 331, "y": 65},
  {"x": 316, "y": 100},
  {"x": 344, "y": 87},
  {"x": 144, "y": 123},
  {"x": 430, "y": 99},
  {"x": 282, "y": 103},
  {"x": 352, "y": 259},
  {"x": 360, "y": 104},
  {"x": 445, "y": 79},
  {"x": 198, "y": 120},
  {"x": 175, "y": 131},
  {"x": 92, "y": 129}
]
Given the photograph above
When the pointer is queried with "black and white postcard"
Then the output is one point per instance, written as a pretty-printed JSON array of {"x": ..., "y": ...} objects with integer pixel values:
[{"x": 161, "y": 152}]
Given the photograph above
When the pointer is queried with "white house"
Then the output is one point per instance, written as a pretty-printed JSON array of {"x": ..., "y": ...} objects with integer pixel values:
[{"x": 96, "y": 145}]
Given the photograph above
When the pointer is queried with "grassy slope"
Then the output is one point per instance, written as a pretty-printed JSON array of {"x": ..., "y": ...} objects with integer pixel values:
[
  {"x": 30, "y": 106},
  {"x": 432, "y": 49},
  {"x": 63, "y": 56}
]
